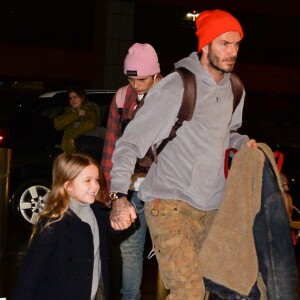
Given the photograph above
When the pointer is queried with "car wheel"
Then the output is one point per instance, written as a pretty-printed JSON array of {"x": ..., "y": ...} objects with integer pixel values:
[{"x": 29, "y": 200}]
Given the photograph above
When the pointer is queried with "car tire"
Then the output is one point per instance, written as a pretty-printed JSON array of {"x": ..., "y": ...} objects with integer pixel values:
[{"x": 29, "y": 200}]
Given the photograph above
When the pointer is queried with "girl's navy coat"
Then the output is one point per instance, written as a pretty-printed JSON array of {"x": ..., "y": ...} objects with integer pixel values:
[{"x": 59, "y": 261}]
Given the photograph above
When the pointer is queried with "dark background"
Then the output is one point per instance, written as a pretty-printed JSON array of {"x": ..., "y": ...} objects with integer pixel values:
[
  {"x": 51, "y": 44},
  {"x": 55, "y": 41}
]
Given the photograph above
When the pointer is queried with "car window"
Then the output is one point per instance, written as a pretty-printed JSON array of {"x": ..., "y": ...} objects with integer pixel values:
[
  {"x": 52, "y": 107},
  {"x": 103, "y": 100}
]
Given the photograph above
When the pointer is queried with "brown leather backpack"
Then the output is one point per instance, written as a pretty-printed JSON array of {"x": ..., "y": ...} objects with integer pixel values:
[{"x": 185, "y": 113}]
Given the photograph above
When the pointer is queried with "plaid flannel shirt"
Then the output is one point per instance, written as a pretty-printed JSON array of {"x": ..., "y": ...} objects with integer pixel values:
[{"x": 113, "y": 131}]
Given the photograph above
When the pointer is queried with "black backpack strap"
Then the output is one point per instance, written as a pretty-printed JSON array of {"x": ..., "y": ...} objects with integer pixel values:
[
  {"x": 237, "y": 89},
  {"x": 187, "y": 107}
]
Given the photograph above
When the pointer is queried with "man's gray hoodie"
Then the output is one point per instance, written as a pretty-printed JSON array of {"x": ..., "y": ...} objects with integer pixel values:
[{"x": 191, "y": 166}]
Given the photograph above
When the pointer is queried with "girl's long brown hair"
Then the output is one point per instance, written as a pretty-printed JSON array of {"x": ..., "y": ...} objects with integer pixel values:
[{"x": 66, "y": 168}]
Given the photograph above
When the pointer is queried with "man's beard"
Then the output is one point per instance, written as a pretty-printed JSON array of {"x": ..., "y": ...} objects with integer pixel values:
[{"x": 214, "y": 61}]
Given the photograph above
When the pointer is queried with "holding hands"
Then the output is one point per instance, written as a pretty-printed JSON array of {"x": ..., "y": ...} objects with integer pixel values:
[{"x": 122, "y": 214}]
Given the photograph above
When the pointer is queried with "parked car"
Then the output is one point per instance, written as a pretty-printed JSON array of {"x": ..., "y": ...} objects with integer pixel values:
[{"x": 26, "y": 127}]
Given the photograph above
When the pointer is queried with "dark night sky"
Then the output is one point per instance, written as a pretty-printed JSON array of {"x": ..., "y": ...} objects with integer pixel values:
[
  {"x": 271, "y": 44},
  {"x": 50, "y": 23},
  {"x": 271, "y": 32},
  {"x": 269, "y": 39},
  {"x": 271, "y": 28}
]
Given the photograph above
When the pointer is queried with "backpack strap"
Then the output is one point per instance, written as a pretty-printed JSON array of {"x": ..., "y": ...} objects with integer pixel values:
[
  {"x": 237, "y": 89},
  {"x": 187, "y": 107},
  {"x": 120, "y": 96}
]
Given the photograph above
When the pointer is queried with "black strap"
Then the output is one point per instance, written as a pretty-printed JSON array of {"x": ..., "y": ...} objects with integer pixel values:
[{"x": 125, "y": 122}]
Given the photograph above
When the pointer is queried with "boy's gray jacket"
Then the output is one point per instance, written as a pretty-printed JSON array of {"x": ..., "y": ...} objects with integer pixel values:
[{"x": 191, "y": 166}]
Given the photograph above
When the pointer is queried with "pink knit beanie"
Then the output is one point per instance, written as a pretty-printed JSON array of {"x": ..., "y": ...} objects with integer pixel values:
[
  {"x": 213, "y": 23},
  {"x": 141, "y": 60}
]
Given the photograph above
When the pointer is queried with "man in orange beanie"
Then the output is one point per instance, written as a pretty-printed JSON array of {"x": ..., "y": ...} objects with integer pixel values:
[
  {"x": 211, "y": 24},
  {"x": 183, "y": 191}
]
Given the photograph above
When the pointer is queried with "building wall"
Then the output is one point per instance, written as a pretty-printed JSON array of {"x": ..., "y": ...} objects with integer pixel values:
[
  {"x": 119, "y": 37},
  {"x": 56, "y": 41}
]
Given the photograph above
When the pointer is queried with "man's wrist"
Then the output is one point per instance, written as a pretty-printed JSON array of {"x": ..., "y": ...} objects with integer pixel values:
[{"x": 116, "y": 195}]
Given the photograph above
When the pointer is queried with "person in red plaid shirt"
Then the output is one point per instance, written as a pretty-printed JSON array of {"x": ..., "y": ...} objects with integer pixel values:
[{"x": 141, "y": 66}]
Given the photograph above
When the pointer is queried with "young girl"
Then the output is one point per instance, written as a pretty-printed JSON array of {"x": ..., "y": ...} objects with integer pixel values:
[{"x": 67, "y": 256}]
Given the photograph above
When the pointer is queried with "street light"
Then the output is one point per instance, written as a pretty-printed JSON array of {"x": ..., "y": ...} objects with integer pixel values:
[{"x": 193, "y": 15}]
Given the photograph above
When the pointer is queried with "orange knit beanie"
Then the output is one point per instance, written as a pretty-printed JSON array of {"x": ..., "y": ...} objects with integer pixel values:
[{"x": 213, "y": 23}]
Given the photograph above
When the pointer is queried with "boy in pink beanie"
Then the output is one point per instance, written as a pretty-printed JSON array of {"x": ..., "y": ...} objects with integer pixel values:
[
  {"x": 141, "y": 60},
  {"x": 142, "y": 69}
]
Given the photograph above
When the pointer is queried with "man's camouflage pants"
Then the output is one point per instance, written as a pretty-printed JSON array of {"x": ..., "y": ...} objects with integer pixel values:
[{"x": 177, "y": 231}]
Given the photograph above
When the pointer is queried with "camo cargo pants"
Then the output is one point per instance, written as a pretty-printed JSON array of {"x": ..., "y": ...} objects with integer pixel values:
[{"x": 177, "y": 232}]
